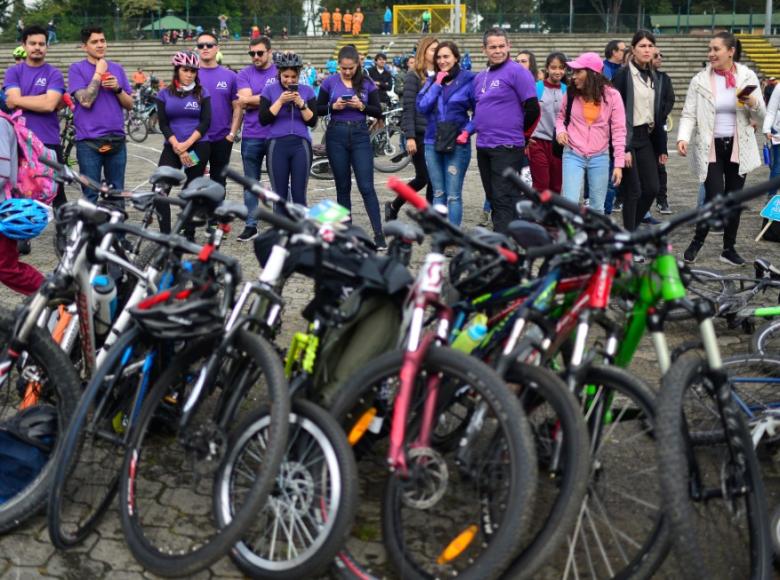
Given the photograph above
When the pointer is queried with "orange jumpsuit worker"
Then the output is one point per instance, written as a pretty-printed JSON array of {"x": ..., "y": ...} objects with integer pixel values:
[
  {"x": 325, "y": 18},
  {"x": 357, "y": 21},
  {"x": 347, "y": 22},
  {"x": 337, "y": 21}
]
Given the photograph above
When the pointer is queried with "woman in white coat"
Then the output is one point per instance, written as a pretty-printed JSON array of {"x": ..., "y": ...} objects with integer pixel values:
[{"x": 718, "y": 123}]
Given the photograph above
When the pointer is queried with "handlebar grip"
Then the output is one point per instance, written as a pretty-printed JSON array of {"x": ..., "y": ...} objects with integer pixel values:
[
  {"x": 251, "y": 185},
  {"x": 51, "y": 164},
  {"x": 508, "y": 255},
  {"x": 546, "y": 251},
  {"x": 407, "y": 193},
  {"x": 749, "y": 193},
  {"x": 278, "y": 221}
]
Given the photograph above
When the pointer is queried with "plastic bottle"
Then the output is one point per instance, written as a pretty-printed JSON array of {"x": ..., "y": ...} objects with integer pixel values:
[
  {"x": 105, "y": 302},
  {"x": 767, "y": 155},
  {"x": 471, "y": 336}
]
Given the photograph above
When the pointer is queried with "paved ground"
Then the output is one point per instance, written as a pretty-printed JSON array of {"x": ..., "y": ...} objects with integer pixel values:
[{"x": 27, "y": 553}]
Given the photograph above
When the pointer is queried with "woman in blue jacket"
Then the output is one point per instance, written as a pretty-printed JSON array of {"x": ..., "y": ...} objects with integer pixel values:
[{"x": 447, "y": 99}]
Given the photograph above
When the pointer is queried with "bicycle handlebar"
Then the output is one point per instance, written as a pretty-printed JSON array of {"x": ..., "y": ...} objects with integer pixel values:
[
  {"x": 251, "y": 185},
  {"x": 278, "y": 221},
  {"x": 70, "y": 175},
  {"x": 407, "y": 193}
]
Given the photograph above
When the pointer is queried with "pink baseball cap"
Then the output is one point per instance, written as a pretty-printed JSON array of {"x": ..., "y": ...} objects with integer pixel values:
[{"x": 589, "y": 60}]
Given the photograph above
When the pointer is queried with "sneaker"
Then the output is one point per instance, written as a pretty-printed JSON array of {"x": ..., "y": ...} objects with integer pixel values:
[
  {"x": 380, "y": 243},
  {"x": 249, "y": 233},
  {"x": 663, "y": 208},
  {"x": 617, "y": 206},
  {"x": 485, "y": 221},
  {"x": 730, "y": 256},
  {"x": 24, "y": 247},
  {"x": 391, "y": 212},
  {"x": 650, "y": 220},
  {"x": 639, "y": 259},
  {"x": 690, "y": 253}
]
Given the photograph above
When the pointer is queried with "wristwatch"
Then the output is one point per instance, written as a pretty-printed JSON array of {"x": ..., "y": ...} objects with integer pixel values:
[
  {"x": 304, "y": 107},
  {"x": 118, "y": 90}
]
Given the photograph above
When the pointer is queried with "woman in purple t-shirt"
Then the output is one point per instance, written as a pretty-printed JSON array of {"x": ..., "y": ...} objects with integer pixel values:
[
  {"x": 290, "y": 109},
  {"x": 184, "y": 114},
  {"x": 348, "y": 97}
]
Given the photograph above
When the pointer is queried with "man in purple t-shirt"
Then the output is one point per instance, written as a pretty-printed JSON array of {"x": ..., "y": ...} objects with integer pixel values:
[
  {"x": 100, "y": 91},
  {"x": 226, "y": 111},
  {"x": 36, "y": 87},
  {"x": 506, "y": 114},
  {"x": 251, "y": 82}
]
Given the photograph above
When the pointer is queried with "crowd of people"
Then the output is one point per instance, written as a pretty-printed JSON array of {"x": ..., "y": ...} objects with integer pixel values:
[{"x": 585, "y": 126}]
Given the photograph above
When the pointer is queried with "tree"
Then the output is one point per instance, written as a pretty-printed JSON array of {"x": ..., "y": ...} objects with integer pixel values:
[{"x": 131, "y": 8}]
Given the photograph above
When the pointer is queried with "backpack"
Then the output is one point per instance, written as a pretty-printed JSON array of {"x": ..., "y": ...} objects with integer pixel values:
[
  {"x": 33, "y": 179},
  {"x": 26, "y": 442}
]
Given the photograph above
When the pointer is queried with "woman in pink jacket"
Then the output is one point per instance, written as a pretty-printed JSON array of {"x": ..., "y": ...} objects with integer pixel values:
[{"x": 590, "y": 129}]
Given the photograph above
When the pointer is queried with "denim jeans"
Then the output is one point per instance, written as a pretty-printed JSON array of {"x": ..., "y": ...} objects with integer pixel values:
[
  {"x": 99, "y": 166},
  {"x": 252, "y": 153},
  {"x": 446, "y": 172},
  {"x": 612, "y": 191},
  {"x": 349, "y": 146},
  {"x": 575, "y": 167}
]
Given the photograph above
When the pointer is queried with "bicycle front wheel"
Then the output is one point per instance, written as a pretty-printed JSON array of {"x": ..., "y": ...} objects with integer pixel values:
[
  {"x": 463, "y": 508},
  {"x": 137, "y": 128},
  {"x": 766, "y": 339},
  {"x": 710, "y": 477},
  {"x": 390, "y": 154},
  {"x": 170, "y": 472}
]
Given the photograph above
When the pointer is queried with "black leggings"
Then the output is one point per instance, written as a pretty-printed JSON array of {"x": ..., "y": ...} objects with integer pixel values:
[
  {"x": 170, "y": 159},
  {"x": 640, "y": 181},
  {"x": 722, "y": 175},
  {"x": 420, "y": 178}
]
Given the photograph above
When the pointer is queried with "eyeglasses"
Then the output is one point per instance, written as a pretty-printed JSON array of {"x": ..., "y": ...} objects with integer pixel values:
[
  {"x": 256, "y": 52},
  {"x": 202, "y": 45}
]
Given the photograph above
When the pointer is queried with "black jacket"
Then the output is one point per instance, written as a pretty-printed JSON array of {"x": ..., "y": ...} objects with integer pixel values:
[
  {"x": 383, "y": 81},
  {"x": 413, "y": 123},
  {"x": 623, "y": 82}
]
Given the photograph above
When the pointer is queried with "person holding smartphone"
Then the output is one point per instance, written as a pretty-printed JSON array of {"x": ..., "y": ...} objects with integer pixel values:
[
  {"x": 721, "y": 107},
  {"x": 289, "y": 109},
  {"x": 184, "y": 113},
  {"x": 349, "y": 97}
]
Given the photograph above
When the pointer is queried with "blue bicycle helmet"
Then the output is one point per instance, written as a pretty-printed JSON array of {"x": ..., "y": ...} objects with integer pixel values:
[{"x": 22, "y": 219}]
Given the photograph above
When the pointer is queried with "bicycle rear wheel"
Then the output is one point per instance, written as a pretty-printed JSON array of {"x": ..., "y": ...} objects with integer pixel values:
[
  {"x": 169, "y": 476},
  {"x": 137, "y": 128},
  {"x": 463, "y": 509},
  {"x": 712, "y": 485},
  {"x": 41, "y": 379},
  {"x": 712, "y": 286},
  {"x": 766, "y": 339},
  {"x": 320, "y": 169}
]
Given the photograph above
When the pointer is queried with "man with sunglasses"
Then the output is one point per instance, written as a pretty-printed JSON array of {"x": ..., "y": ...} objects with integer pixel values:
[
  {"x": 251, "y": 82},
  {"x": 226, "y": 112}
]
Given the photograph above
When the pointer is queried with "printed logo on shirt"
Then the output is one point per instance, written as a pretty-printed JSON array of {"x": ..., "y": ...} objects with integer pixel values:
[
  {"x": 192, "y": 105},
  {"x": 41, "y": 82},
  {"x": 222, "y": 85},
  {"x": 494, "y": 84}
]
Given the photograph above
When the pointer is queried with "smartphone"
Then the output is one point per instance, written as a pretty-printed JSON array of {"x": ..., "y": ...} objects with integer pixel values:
[
  {"x": 346, "y": 97},
  {"x": 292, "y": 88},
  {"x": 746, "y": 91},
  {"x": 194, "y": 157}
]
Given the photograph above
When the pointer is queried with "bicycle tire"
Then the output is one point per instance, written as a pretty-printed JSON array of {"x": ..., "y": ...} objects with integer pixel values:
[
  {"x": 678, "y": 422},
  {"x": 516, "y": 450},
  {"x": 623, "y": 487},
  {"x": 304, "y": 487},
  {"x": 320, "y": 169},
  {"x": 393, "y": 157},
  {"x": 766, "y": 339},
  {"x": 66, "y": 528},
  {"x": 61, "y": 389},
  {"x": 547, "y": 395},
  {"x": 137, "y": 129},
  {"x": 170, "y": 559}
]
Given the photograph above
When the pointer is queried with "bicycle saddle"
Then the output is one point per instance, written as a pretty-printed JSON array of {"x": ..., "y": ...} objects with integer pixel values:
[
  {"x": 168, "y": 176},
  {"x": 765, "y": 269},
  {"x": 410, "y": 233},
  {"x": 229, "y": 211},
  {"x": 204, "y": 190},
  {"x": 528, "y": 234},
  {"x": 490, "y": 237}
]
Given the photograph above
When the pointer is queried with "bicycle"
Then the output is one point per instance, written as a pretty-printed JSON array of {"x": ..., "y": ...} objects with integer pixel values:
[{"x": 389, "y": 143}]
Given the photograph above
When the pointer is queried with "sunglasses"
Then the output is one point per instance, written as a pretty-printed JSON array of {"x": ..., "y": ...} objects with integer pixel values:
[
  {"x": 202, "y": 45},
  {"x": 256, "y": 52}
]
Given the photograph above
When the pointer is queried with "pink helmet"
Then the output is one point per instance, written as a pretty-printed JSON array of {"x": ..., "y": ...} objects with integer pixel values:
[{"x": 186, "y": 58}]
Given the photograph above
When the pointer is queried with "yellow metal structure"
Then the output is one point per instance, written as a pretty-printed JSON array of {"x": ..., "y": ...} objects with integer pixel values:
[
  {"x": 407, "y": 18},
  {"x": 760, "y": 51}
]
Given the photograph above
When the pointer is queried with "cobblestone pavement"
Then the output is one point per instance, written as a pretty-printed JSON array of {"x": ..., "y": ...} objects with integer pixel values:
[{"x": 27, "y": 553}]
